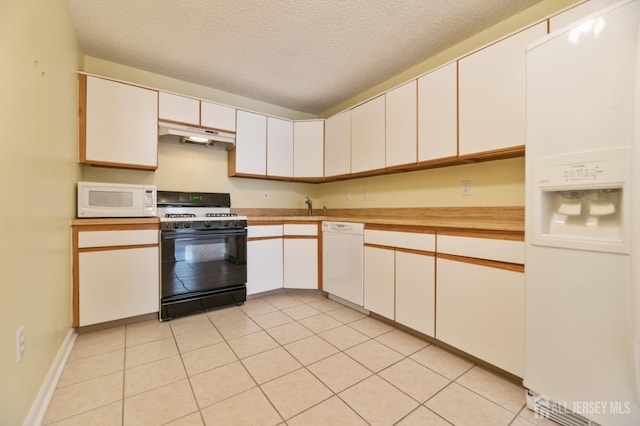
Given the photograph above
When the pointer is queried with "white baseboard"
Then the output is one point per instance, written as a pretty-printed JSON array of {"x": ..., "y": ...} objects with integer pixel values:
[{"x": 41, "y": 404}]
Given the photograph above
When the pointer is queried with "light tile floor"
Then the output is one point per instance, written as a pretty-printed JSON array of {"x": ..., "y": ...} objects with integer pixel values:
[{"x": 292, "y": 358}]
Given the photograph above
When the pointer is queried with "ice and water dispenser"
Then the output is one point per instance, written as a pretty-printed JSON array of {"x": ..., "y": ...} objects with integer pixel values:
[{"x": 581, "y": 201}]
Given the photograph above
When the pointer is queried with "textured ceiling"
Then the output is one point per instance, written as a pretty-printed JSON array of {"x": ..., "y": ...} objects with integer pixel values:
[{"x": 306, "y": 55}]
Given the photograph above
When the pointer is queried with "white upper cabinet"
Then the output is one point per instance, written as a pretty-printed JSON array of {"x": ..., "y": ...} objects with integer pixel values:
[
  {"x": 337, "y": 144},
  {"x": 308, "y": 148},
  {"x": 279, "y": 147},
  {"x": 190, "y": 111},
  {"x": 120, "y": 126},
  {"x": 401, "y": 128},
  {"x": 438, "y": 113},
  {"x": 492, "y": 94},
  {"x": 251, "y": 144},
  {"x": 368, "y": 136},
  {"x": 219, "y": 117},
  {"x": 179, "y": 109},
  {"x": 576, "y": 13}
]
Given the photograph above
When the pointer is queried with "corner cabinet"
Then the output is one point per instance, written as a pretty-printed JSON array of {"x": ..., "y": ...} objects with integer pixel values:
[
  {"x": 308, "y": 149},
  {"x": 116, "y": 270},
  {"x": 492, "y": 88},
  {"x": 264, "y": 258},
  {"x": 480, "y": 297},
  {"x": 300, "y": 247},
  {"x": 118, "y": 124}
]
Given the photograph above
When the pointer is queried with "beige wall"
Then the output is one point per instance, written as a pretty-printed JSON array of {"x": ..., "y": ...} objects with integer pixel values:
[
  {"x": 494, "y": 183},
  {"x": 38, "y": 167},
  {"x": 38, "y": 170}
]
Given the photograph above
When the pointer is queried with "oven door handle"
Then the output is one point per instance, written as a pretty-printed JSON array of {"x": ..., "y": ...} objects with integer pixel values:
[{"x": 198, "y": 235}]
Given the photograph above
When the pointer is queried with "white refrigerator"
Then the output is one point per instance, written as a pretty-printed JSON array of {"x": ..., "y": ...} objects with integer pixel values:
[{"x": 582, "y": 267}]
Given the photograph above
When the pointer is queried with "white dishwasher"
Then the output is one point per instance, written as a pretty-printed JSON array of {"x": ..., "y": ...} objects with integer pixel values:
[{"x": 343, "y": 260}]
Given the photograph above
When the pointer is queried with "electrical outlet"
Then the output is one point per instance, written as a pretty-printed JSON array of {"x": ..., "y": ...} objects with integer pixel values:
[
  {"x": 466, "y": 187},
  {"x": 20, "y": 344},
  {"x": 365, "y": 195},
  {"x": 347, "y": 194},
  {"x": 266, "y": 195}
]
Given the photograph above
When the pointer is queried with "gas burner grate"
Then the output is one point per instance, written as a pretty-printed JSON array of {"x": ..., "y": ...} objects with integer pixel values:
[
  {"x": 221, "y": 214},
  {"x": 180, "y": 215}
]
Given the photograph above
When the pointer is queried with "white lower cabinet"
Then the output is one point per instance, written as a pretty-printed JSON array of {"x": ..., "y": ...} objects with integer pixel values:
[
  {"x": 480, "y": 310},
  {"x": 300, "y": 256},
  {"x": 379, "y": 281},
  {"x": 114, "y": 284},
  {"x": 399, "y": 278},
  {"x": 300, "y": 263},
  {"x": 116, "y": 274},
  {"x": 264, "y": 258},
  {"x": 415, "y": 291}
]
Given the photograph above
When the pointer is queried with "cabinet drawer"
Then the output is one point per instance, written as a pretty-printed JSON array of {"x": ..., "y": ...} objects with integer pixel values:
[
  {"x": 407, "y": 240},
  {"x": 300, "y": 229},
  {"x": 117, "y": 238},
  {"x": 178, "y": 108},
  {"x": 261, "y": 231},
  {"x": 482, "y": 248}
]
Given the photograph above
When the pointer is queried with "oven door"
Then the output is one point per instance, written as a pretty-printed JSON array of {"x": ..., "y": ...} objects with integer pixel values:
[{"x": 202, "y": 269}]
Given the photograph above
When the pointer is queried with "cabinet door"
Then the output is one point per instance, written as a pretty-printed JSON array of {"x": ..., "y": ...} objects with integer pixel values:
[
  {"x": 279, "y": 147},
  {"x": 401, "y": 127},
  {"x": 251, "y": 144},
  {"x": 301, "y": 263},
  {"x": 492, "y": 94},
  {"x": 308, "y": 148},
  {"x": 337, "y": 144},
  {"x": 264, "y": 265},
  {"x": 121, "y": 125},
  {"x": 480, "y": 310},
  {"x": 179, "y": 109},
  {"x": 415, "y": 291},
  {"x": 218, "y": 117},
  {"x": 368, "y": 136},
  {"x": 379, "y": 281},
  {"x": 438, "y": 113},
  {"x": 117, "y": 284}
]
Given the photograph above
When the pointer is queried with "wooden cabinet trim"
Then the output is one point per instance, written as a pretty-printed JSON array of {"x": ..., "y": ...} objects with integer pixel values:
[
  {"x": 272, "y": 237},
  {"x": 494, "y": 235},
  {"x": 109, "y": 248},
  {"x": 82, "y": 117},
  {"x": 114, "y": 227},
  {"x": 379, "y": 246},
  {"x": 400, "y": 249},
  {"x": 414, "y": 251},
  {"x": 483, "y": 262},
  {"x": 300, "y": 237},
  {"x": 416, "y": 229}
]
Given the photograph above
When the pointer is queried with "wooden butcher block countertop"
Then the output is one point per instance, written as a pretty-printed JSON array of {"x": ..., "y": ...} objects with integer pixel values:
[{"x": 509, "y": 219}]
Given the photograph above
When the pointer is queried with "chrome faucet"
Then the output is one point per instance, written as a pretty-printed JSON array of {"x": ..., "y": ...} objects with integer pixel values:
[{"x": 309, "y": 206}]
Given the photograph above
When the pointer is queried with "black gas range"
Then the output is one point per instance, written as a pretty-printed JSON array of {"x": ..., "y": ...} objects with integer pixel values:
[{"x": 203, "y": 253}]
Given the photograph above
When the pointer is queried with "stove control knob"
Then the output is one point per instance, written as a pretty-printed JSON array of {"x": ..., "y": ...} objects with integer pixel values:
[
  {"x": 187, "y": 224},
  {"x": 207, "y": 224},
  {"x": 176, "y": 225}
]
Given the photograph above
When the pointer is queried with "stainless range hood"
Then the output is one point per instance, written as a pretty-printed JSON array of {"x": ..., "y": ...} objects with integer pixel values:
[{"x": 197, "y": 135}]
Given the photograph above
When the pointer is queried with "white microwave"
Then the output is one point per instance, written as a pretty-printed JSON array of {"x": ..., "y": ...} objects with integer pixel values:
[{"x": 97, "y": 199}]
